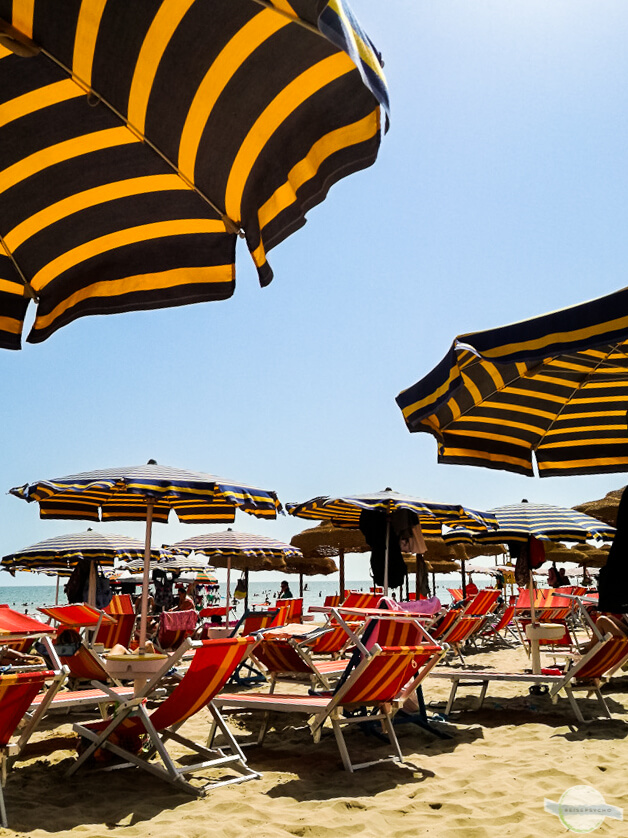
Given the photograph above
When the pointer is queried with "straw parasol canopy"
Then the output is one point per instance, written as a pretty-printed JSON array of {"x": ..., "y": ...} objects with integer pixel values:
[
  {"x": 311, "y": 566},
  {"x": 326, "y": 540},
  {"x": 582, "y": 554},
  {"x": 604, "y": 509}
]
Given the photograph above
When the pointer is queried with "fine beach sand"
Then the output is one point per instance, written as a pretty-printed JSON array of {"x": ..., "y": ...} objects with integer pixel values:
[{"x": 490, "y": 779}]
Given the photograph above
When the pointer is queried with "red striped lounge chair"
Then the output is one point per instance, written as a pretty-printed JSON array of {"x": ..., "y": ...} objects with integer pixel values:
[
  {"x": 380, "y": 682},
  {"x": 175, "y": 627},
  {"x": 493, "y": 631},
  {"x": 586, "y": 674},
  {"x": 17, "y": 692},
  {"x": 80, "y": 615},
  {"x": 285, "y": 658},
  {"x": 483, "y": 603},
  {"x": 295, "y": 609},
  {"x": 121, "y": 608},
  {"x": 141, "y": 738}
]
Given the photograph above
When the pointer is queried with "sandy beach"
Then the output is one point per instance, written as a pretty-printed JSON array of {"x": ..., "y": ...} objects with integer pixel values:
[{"x": 489, "y": 779}]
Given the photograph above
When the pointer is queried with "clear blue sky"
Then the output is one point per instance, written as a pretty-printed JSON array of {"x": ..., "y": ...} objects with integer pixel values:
[{"x": 501, "y": 192}]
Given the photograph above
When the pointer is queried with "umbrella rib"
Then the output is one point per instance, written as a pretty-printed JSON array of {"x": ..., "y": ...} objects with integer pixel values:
[
  {"x": 232, "y": 226},
  {"x": 291, "y": 17},
  {"x": 27, "y": 286}
]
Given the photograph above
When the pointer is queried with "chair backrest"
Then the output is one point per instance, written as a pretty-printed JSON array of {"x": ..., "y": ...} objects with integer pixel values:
[
  {"x": 278, "y": 655},
  {"x": 13, "y": 622},
  {"x": 456, "y": 594},
  {"x": 484, "y": 602},
  {"x": 462, "y": 630},
  {"x": 85, "y": 665},
  {"x": 17, "y": 691},
  {"x": 332, "y": 600},
  {"x": 175, "y": 627},
  {"x": 381, "y": 677},
  {"x": 295, "y": 609},
  {"x": 79, "y": 615},
  {"x": 448, "y": 620},
  {"x": 121, "y": 608},
  {"x": 505, "y": 619},
  {"x": 358, "y": 599},
  {"x": 605, "y": 658},
  {"x": 253, "y": 621},
  {"x": 392, "y": 633},
  {"x": 329, "y": 643}
]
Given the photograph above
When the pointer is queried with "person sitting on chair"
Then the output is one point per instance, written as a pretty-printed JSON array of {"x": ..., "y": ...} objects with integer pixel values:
[
  {"x": 285, "y": 592},
  {"x": 185, "y": 601}
]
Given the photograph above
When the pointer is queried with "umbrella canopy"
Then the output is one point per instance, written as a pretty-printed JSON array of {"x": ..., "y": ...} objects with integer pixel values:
[
  {"x": 242, "y": 550},
  {"x": 550, "y": 392},
  {"x": 63, "y": 551},
  {"x": 147, "y": 492},
  {"x": 345, "y": 511},
  {"x": 328, "y": 540},
  {"x": 519, "y": 521},
  {"x": 139, "y": 140},
  {"x": 312, "y": 566},
  {"x": 604, "y": 509},
  {"x": 183, "y": 563}
]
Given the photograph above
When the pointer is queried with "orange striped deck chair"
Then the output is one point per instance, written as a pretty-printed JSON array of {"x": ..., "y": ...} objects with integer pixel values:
[
  {"x": 79, "y": 615},
  {"x": 141, "y": 738},
  {"x": 503, "y": 624},
  {"x": 332, "y": 642},
  {"x": 483, "y": 603},
  {"x": 456, "y": 594},
  {"x": 449, "y": 619},
  {"x": 120, "y": 607},
  {"x": 249, "y": 624},
  {"x": 332, "y": 600},
  {"x": 295, "y": 609},
  {"x": 379, "y": 683},
  {"x": 358, "y": 599},
  {"x": 285, "y": 658},
  {"x": 17, "y": 692}
]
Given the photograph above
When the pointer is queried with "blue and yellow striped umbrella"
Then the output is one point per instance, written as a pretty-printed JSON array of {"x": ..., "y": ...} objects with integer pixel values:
[
  {"x": 63, "y": 551},
  {"x": 550, "y": 392},
  {"x": 345, "y": 511},
  {"x": 519, "y": 521},
  {"x": 122, "y": 494},
  {"x": 138, "y": 140}
]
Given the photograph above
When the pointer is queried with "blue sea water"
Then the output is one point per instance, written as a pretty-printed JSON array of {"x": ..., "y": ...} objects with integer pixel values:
[{"x": 27, "y": 598}]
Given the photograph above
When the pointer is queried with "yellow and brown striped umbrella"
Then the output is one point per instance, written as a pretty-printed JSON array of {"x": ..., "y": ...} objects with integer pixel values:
[
  {"x": 550, "y": 392},
  {"x": 139, "y": 139}
]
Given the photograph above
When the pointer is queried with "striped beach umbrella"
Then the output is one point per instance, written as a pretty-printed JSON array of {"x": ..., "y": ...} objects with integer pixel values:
[
  {"x": 328, "y": 540},
  {"x": 138, "y": 140},
  {"x": 241, "y": 550},
  {"x": 517, "y": 522},
  {"x": 147, "y": 493},
  {"x": 546, "y": 395},
  {"x": 346, "y": 511},
  {"x": 64, "y": 551}
]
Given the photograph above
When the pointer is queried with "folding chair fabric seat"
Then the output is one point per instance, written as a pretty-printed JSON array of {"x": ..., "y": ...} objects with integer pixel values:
[
  {"x": 175, "y": 627},
  {"x": 121, "y": 608},
  {"x": 131, "y": 726},
  {"x": 78, "y": 615}
]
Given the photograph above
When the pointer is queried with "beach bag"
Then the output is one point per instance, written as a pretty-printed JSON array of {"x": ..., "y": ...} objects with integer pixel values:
[
  {"x": 240, "y": 589},
  {"x": 104, "y": 592}
]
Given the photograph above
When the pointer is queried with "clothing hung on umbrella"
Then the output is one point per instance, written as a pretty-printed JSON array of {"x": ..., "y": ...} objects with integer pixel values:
[
  {"x": 613, "y": 578},
  {"x": 375, "y": 525},
  {"x": 529, "y": 556}
]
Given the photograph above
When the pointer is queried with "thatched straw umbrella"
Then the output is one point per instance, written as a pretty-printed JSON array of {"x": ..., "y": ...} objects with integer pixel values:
[
  {"x": 604, "y": 509},
  {"x": 310, "y": 567},
  {"x": 326, "y": 540}
]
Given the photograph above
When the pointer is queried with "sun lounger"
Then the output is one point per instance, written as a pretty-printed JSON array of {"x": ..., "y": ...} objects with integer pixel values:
[
  {"x": 175, "y": 627},
  {"x": 586, "y": 674},
  {"x": 17, "y": 692},
  {"x": 379, "y": 682},
  {"x": 213, "y": 664},
  {"x": 285, "y": 658},
  {"x": 120, "y": 632},
  {"x": 295, "y": 609}
]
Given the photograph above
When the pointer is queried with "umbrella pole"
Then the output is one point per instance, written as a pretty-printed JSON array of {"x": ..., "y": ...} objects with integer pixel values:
[
  {"x": 57, "y": 591},
  {"x": 91, "y": 590},
  {"x": 145, "y": 578},
  {"x": 246, "y": 589},
  {"x": 386, "y": 557},
  {"x": 535, "y": 646},
  {"x": 464, "y": 579},
  {"x": 341, "y": 562},
  {"x": 228, "y": 589},
  {"x": 301, "y": 585}
]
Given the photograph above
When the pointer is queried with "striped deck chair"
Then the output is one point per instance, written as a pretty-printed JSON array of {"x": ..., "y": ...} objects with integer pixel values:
[
  {"x": 456, "y": 595},
  {"x": 358, "y": 599},
  {"x": 332, "y": 600},
  {"x": 295, "y": 609},
  {"x": 459, "y": 632},
  {"x": 250, "y": 623},
  {"x": 369, "y": 693},
  {"x": 332, "y": 642},
  {"x": 586, "y": 674},
  {"x": 492, "y": 631},
  {"x": 120, "y": 607},
  {"x": 79, "y": 616},
  {"x": 17, "y": 692},
  {"x": 482, "y": 604},
  {"x": 285, "y": 658},
  {"x": 138, "y": 737}
]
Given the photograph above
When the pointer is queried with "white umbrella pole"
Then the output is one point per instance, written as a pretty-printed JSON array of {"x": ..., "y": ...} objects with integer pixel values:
[
  {"x": 228, "y": 589},
  {"x": 341, "y": 562},
  {"x": 57, "y": 591},
  {"x": 146, "y": 578},
  {"x": 91, "y": 590}
]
